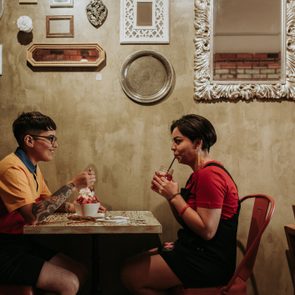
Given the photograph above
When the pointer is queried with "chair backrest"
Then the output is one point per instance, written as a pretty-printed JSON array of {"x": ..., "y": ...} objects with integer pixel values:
[
  {"x": 290, "y": 253},
  {"x": 262, "y": 212}
]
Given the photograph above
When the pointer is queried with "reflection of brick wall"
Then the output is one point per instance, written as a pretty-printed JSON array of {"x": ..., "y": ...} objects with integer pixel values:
[
  {"x": 247, "y": 66},
  {"x": 41, "y": 54}
]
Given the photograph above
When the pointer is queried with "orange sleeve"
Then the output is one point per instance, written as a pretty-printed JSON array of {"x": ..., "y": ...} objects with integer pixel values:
[{"x": 16, "y": 189}]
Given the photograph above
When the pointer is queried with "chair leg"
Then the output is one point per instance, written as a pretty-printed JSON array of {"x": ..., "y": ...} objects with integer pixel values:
[{"x": 16, "y": 290}]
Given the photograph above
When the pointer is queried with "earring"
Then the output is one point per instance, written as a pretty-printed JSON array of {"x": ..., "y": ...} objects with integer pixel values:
[{"x": 200, "y": 160}]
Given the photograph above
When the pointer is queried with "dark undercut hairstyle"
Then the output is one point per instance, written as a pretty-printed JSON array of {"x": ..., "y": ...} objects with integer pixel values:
[
  {"x": 31, "y": 123},
  {"x": 196, "y": 128}
]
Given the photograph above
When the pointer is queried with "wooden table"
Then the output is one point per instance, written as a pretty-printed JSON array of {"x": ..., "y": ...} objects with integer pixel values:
[{"x": 138, "y": 222}]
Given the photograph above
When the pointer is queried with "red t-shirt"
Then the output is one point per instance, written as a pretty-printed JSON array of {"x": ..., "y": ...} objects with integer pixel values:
[{"x": 211, "y": 187}]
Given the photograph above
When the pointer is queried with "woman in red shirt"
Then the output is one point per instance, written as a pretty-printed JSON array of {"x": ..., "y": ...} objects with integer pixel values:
[{"x": 204, "y": 254}]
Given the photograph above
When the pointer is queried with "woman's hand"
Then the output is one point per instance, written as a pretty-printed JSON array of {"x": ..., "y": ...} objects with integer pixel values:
[
  {"x": 84, "y": 179},
  {"x": 163, "y": 186}
]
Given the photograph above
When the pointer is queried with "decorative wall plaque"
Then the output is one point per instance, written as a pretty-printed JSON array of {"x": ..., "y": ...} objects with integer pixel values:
[
  {"x": 96, "y": 12},
  {"x": 144, "y": 21},
  {"x": 147, "y": 76}
]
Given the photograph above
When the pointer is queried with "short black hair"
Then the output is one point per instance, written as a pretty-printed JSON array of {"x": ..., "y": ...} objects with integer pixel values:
[
  {"x": 31, "y": 122},
  {"x": 196, "y": 127}
]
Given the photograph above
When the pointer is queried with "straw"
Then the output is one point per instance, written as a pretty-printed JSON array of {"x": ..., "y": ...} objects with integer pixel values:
[{"x": 171, "y": 165}]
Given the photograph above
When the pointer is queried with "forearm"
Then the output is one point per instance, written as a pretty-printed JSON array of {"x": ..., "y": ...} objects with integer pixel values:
[
  {"x": 175, "y": 213},
  {"x": 47, "y": 207},
  {"x": 185, "y": 214}
]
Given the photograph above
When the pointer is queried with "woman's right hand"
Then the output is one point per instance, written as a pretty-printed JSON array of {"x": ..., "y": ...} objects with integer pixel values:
[{"x": 84, "y": 179}]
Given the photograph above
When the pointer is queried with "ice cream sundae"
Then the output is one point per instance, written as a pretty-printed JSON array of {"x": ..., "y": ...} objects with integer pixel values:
[
  {"x": 87, "y": 196},
  {"x": 87, "y": 203}
]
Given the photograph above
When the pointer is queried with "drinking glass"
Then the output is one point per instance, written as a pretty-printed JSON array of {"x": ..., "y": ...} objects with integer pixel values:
[{"x": 164, "y": 172}]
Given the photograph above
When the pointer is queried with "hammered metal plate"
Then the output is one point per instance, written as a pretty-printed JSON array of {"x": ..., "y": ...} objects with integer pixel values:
[{"x": 147, "y": 76}]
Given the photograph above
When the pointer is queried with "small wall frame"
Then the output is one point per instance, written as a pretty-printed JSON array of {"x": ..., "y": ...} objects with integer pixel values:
[
  {"x": 144, "y": 21},
  {"x": 0, "y": 59},
  {"x": 61, "y": 3},
  {"x": 28, "y": 1},
  {"x": 59, "y": 26},
  {"x": 1, "y": 7},
  {"x": 65, "y": 55}
]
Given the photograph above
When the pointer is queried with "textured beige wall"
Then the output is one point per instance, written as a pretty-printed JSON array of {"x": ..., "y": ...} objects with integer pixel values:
[{"x": 126, "y": 141}]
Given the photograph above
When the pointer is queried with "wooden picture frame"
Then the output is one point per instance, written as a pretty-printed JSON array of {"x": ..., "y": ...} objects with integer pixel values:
[
  {"x": 1, "y": 7},
  {"x": 61, "y": 3},
  {"x": 1, "y": 59},
  {"x": 65, "y": 55},
  {"x": 144, "y": 21},
  {"x": 27, "y": 1},
  {"x": 59, "y": 26}
]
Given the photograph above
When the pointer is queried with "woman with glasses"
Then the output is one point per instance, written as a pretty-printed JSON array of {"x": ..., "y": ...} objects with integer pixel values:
[{"x": 26, "y": 199}]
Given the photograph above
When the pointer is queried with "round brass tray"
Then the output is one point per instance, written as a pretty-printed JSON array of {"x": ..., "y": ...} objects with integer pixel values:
[{"x": 147, "y": 76}]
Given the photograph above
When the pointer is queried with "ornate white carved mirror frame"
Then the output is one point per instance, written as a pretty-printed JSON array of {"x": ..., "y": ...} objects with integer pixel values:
[{"x": 210, "y": 90}]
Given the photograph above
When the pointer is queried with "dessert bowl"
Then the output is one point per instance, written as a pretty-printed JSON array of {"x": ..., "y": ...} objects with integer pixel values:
[{"x": 90, "y": 209}]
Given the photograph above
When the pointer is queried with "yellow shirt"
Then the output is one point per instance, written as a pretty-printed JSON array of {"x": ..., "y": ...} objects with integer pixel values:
[{"x": 18, "y": 187}]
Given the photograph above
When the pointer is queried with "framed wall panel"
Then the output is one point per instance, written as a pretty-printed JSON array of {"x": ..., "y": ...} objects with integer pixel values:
[
  {"x": 61, "y": 3},
  {"x": 66, "y": 55},
  {"x": 28, "y": 1},
  {"x": 1, "y": 7},
  {"x": 0, "y": 59}
]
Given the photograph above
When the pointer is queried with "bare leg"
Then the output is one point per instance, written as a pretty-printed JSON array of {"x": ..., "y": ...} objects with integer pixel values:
[
  {"x": 68, "y": 263},
  {"x": 61, "y": 275},
  {"x": 148, "y": 274}
]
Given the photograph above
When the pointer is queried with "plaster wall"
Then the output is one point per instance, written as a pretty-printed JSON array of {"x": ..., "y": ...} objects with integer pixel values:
[{"x": 126, "y": 142}]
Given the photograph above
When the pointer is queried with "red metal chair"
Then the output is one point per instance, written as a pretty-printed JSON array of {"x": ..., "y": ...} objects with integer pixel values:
[
  {"x": 16, "y": 290},
  {"x": 262, "y": 212},
  {"x": 290, "y": 252}
]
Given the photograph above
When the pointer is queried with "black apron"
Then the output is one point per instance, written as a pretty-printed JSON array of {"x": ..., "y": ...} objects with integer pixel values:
[{"x": 204, "y": 263}]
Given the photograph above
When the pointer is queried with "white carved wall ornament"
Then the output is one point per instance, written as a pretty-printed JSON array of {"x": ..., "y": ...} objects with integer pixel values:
[
  {"x": 25, "y": 24},
  {"x": 96, "y": 12},
  {"x": 207, "y": 90},
  {"x": 157, "y": 33}
]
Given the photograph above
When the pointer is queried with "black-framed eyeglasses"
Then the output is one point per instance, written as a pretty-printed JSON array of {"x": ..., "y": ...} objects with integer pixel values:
[{"x": 51, "y": 138}]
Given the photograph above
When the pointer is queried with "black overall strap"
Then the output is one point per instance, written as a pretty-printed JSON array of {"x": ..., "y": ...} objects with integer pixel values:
[{"x": 221, "y": 167}]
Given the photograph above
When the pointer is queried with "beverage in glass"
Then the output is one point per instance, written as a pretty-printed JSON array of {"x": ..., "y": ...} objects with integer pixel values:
[{"x": 164, "y": 172}]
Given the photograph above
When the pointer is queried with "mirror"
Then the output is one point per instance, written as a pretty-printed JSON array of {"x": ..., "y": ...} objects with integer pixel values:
[
  {"x": 65, "y": 55},
  {"x": 244, "y": 50},
  {"x": 247, "y": 41}
]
